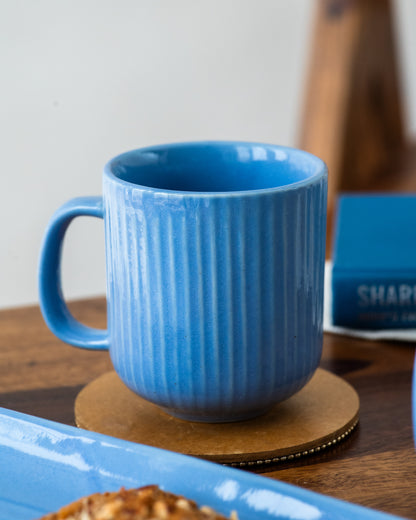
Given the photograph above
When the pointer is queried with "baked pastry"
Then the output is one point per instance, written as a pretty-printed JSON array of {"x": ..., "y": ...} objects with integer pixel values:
[{"x": 143, "y": 503}]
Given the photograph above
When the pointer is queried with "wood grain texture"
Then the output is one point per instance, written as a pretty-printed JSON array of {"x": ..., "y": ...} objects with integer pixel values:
[
  {"x": 353, "y": 114},
  {"x": 31, "y": 357},
  {"x": 375, "y": 467}
]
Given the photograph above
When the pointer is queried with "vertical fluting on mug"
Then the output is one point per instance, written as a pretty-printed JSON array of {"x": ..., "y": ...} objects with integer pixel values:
[{"x": 215, "y": 299}]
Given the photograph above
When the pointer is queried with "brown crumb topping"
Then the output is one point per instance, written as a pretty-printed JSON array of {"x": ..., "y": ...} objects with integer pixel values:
[{"x": 145, "y": 503}]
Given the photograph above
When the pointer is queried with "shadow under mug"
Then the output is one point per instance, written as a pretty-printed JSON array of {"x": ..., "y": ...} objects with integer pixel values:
[{"x": 215, "y": 257}]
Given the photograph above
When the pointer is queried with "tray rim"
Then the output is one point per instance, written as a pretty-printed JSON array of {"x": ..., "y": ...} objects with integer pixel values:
[{"x": 102, "y": 462}]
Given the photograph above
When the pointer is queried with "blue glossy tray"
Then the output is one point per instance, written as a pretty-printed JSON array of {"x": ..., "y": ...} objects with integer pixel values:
[{"x": 44, "y": 465}]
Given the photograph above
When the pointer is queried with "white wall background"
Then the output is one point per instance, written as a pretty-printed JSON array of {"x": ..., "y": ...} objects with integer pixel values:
[{"x": 83, "y": 80}]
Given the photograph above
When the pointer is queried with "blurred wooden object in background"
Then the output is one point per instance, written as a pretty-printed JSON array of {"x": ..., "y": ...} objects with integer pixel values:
[{"x": 353, "y": 115}]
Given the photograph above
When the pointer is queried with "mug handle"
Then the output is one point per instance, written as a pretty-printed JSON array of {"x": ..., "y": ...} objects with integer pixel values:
[{"x": 54, "y": 309}]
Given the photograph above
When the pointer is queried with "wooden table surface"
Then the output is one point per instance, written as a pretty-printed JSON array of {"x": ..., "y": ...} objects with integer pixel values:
[{"x": 375, "y": 466}]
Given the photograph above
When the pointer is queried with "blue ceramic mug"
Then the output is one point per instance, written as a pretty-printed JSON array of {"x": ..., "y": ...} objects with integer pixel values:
[{"x": 215, "y": 257}]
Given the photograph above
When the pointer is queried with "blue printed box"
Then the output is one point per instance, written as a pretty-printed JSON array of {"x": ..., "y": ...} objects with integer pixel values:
[{"x": 374, "y": 262}]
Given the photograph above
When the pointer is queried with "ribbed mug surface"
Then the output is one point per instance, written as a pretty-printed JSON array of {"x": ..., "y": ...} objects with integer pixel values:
[{"x": 215, "y": 299}]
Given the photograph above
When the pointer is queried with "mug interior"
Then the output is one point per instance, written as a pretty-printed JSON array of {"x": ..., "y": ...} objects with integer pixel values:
[{"x": 215, "y": 167}]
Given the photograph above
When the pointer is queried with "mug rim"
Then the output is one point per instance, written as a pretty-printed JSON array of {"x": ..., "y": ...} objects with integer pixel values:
[{"x": 320, "y": 169}]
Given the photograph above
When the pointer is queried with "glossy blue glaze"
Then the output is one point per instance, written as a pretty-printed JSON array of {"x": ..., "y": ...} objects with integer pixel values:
[
  {"x": 45, "y": 465},
  {"x": 215, "y": 261},
  {"x": 53, "y": 306}
]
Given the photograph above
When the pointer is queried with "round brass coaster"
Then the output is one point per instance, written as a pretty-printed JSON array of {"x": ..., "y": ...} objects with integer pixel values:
[{"x": 323, "y": 413}]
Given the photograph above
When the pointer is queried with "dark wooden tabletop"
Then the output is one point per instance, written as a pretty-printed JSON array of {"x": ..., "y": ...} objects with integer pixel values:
[{"x": 375, "y": 466}]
